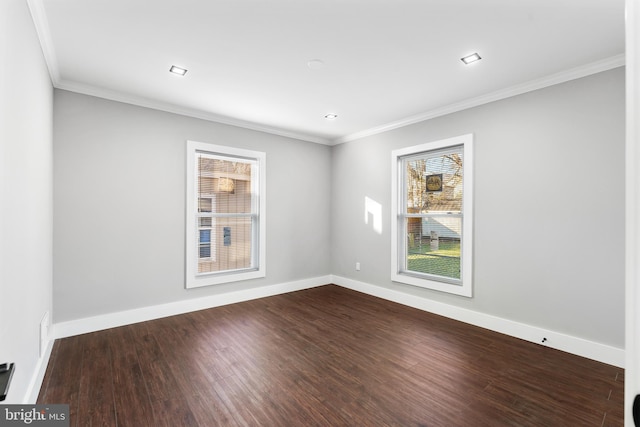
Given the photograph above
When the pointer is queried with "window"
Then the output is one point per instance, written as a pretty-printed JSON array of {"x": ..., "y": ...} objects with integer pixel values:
[
  {"x": 432, "y": 215},
  {"x": 225, "y": 224}
]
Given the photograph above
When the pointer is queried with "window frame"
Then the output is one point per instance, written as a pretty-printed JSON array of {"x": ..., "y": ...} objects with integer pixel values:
[
  {"x": 398, "y": 215},
  {"x": 193, "y": 279},
  {"x": 212, "y": 237},
  {"x": 206, "y": 244}
]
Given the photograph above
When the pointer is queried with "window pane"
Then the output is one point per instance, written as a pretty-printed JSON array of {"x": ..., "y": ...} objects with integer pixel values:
[
  {"x": 205, "y": 251},
  {"x": 231, "y": 241},
  {"x": 205, "y": 236},
  {"x": 224, "y": 189},
  {"x": 227, "y": 182},
  {"x": 204, "y": 204},
  {"x": 433, "y": 245},
  {"x": 434, "y": 182}
]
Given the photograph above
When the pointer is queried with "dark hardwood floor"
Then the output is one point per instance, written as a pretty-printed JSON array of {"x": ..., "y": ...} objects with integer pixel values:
[{"x": 324, "y": 357}]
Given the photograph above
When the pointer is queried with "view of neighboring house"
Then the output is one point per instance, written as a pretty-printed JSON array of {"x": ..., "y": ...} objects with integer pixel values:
[{"x": 224, "y": 214}]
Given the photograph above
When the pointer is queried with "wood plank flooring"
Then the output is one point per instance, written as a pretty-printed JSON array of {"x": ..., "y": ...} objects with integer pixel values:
[{"x": 326, "y": 356}]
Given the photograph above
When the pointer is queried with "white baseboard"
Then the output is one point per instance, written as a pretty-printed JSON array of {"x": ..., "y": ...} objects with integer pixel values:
[
  {"x": 570, "y": 344},
  {"x": 38, "y": 375},
  {"x": 578, "y": 346},
  {"x": 121, "y": 318}
]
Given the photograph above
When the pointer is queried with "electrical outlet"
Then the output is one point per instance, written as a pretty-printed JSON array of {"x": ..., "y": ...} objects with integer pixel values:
[
  {"x": 357, "y": 266},
  {"x": 44, "y": 333}
]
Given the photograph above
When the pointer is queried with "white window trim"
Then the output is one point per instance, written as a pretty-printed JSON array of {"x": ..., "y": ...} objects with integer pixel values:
[
  {"x": 398, "y": 242},
  {"x": 193, "y": 279}
]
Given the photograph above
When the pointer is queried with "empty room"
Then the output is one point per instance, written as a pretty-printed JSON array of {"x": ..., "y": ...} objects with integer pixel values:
[{"x": 332, "y": 213}]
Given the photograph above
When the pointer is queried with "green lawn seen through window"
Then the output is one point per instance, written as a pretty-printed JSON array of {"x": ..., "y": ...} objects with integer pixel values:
[{"x": 443, "y": 261}]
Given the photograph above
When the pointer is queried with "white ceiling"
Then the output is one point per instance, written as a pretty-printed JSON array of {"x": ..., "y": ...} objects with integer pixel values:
[{"x": 385, "y": 63}]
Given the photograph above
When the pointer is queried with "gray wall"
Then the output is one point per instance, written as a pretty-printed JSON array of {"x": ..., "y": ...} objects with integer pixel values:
[
  {"x": 26, "y": 98},
  {"x": 549, "y": 204},
  {"x": 549, "y": 207},
  {"x": 119, "y": 178}
]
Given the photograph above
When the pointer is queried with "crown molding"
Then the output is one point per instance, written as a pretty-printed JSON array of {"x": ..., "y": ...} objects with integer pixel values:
[
  {"x": 183, "y": 111},
  {"x": 39, "y": 17},
  {"x": 554, "y": 79}
]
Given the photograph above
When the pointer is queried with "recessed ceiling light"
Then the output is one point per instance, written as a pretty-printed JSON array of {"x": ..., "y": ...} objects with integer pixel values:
[
  {"x": 331, "y": 116},
  {"x": 471, "y": 58},
  {"x": 177, "y": 70}
]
